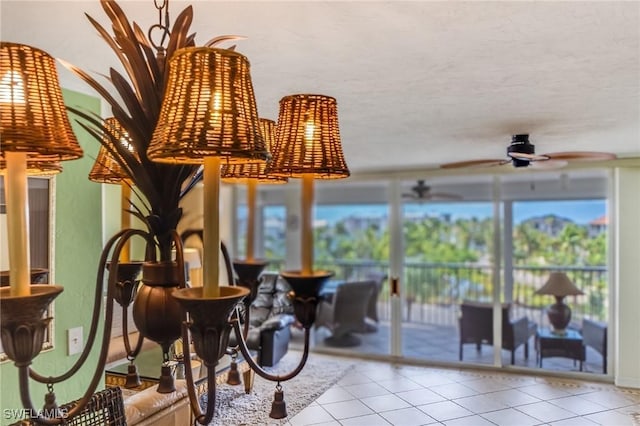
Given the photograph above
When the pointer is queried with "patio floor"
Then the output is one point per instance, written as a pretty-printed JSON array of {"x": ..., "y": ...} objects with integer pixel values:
[{"x": 425, "y": 342}]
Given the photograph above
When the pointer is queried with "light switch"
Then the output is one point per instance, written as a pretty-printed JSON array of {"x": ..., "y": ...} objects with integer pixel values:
[{"x": 74, "y": 340}]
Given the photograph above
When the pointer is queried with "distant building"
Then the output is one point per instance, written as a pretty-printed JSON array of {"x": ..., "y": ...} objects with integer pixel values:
[
  {"x": 598, "y": 226},
  {"x": 550, "y": 224},
  {"x": 360, "y": 223}
]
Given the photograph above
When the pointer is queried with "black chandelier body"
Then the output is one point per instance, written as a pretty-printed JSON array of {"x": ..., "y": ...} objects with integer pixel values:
[{"x": 207, "y": 326}]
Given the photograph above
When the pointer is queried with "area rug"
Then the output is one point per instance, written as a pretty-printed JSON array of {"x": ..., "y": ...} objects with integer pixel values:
[{"x": 234, "y": 407}]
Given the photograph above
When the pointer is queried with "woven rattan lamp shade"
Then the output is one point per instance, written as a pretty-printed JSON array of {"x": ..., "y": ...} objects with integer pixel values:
[
  {"x": 37, "y": 168},
  {"x": 241, "y": 173},
  {"x": 308, "y": 139},
  {"x": 33, "y": 119},
  {"x": 106, "y": 169},
  {"x": 209, "y": 109}
]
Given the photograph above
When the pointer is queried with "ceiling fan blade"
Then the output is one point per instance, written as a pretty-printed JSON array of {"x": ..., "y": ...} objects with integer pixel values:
[
  {"x": 528, "y": 157},
  {"x": 474, "y": 163},
  {"x": 444, "y": 196},
  {"x": 582, "y": 156},
  {"x": 548, "y": 164}
]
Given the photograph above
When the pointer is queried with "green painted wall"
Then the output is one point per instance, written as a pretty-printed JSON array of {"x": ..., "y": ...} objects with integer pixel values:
[{"x": 78, "y": 244}]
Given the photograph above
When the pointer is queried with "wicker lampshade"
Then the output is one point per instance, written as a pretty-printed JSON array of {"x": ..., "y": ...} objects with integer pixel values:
[
  {"x": 37, "y": 168},
  {"x": 209, "y": 110},
  {"x": 33, "y": 119},
  {"x": 559, "y": 284},
  {"x": 106, "y": 169},
  {"x": 240, "y": 173},
  {"x": 308, "y": 139}
]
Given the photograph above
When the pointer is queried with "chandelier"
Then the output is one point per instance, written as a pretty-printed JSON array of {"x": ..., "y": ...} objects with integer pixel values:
[{"x": 185, "y": 112}]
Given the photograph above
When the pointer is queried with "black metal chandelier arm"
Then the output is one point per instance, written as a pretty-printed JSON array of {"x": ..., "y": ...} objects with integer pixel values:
[
  {"x": 25, "y": 371},
  {"x": 121, "y": 238},
  {"x": 233, "y": 350},
  {"x": 227, "y": 263},
  {"x": 247, "y": 321},
  {"x": 125, "y": 336},
  {"x": 25, "y": 397},
  {"x": 179, "y": 247},
  {"x": 257, "y": 369},
  {"x": 202, "y": 418},
  {"x": 150, "y": 254}
]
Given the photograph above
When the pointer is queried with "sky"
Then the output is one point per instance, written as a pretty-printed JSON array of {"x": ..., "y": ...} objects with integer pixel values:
[{"x": 581, "y": 211}]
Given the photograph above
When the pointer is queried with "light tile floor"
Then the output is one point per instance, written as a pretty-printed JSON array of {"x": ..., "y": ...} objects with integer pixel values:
[{"x": 378, "y": 393}]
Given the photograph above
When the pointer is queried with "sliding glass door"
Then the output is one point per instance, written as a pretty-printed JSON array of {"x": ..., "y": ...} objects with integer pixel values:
[
  {"x": 448, "y": 260},
  {"x": 459, "y": 249}
]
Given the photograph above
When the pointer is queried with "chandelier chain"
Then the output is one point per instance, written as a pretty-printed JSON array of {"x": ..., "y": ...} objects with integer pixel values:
[{"x": 163, "y": 24}]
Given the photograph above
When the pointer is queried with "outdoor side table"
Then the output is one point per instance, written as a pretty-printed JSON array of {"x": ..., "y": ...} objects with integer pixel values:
[{"x": 568, "y": 345}]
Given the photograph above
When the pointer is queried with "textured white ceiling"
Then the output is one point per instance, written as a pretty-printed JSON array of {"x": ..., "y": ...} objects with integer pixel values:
[{"x": 417, "y": 83}]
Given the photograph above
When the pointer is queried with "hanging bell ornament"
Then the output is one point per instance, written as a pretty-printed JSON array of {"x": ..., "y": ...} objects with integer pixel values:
[
  {"x": 278, "y": 406},
  {"x": 166, "y": 384},
  {"x": 50, "y": 408},
  {"x": 233, "y": 377},
  {"x": 133, "y": 378}
]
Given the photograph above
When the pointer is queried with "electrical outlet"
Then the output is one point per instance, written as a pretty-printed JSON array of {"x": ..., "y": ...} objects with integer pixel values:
[{"x": 74, "y": 340}]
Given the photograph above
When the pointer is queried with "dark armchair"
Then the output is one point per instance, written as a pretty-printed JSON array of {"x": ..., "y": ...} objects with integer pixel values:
[
  {"x": 378, "y": 278},
  {"x": 271, "y": 314},
  {"x": 476, "y": 326},
  {"x": 343, "y": 312},
  {"x": 594, "y": 334}
]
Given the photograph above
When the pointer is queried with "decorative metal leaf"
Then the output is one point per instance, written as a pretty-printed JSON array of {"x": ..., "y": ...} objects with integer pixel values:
[
  {"x": 179, "y": 33},
  {"x": 141, "y": 89},
  {"x": 221, "y": 39},
  {"x": 91, "y": 82},
  {"x": 152, "y": 62},
  {"x": 113, "y": 44},
  {"x": 141, "y": 118},
  {"x": 131, "y": 54}
]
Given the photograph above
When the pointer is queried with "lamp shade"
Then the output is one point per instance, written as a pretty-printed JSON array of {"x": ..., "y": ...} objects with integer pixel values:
[
  {"x": 308, "y": 139},
  {"x": 242, "y": 172},
  {"x": 106, "y": 169},
  {"x": 33, "y": 118},
  {"x": 37, "y": 168},
  {"x": 209, "y": 110},
  {"x": 559, "y": 284}
]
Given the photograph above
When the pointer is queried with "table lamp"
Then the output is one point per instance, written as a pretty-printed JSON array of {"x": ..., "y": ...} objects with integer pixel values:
[{"x": 559, "y": 286}]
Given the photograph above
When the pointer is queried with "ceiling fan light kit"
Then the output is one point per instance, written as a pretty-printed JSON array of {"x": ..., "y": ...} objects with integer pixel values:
[{"x": 522, "y": 151}]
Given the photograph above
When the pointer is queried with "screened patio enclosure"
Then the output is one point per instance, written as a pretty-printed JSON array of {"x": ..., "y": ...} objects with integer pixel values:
[{"x": 491, "y": 239}]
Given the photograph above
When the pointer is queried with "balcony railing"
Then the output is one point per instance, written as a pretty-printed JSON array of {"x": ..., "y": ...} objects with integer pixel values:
[{"x": 432, "y": 292}]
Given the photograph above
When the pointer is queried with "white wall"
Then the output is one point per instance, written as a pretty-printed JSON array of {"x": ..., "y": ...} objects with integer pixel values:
[{"x": 626, "y": 276}]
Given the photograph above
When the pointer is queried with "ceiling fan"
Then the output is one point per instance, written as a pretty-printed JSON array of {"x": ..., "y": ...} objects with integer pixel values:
[
  {"x": 422, "y": 192},
  {"x": 521, "y": 153}
]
